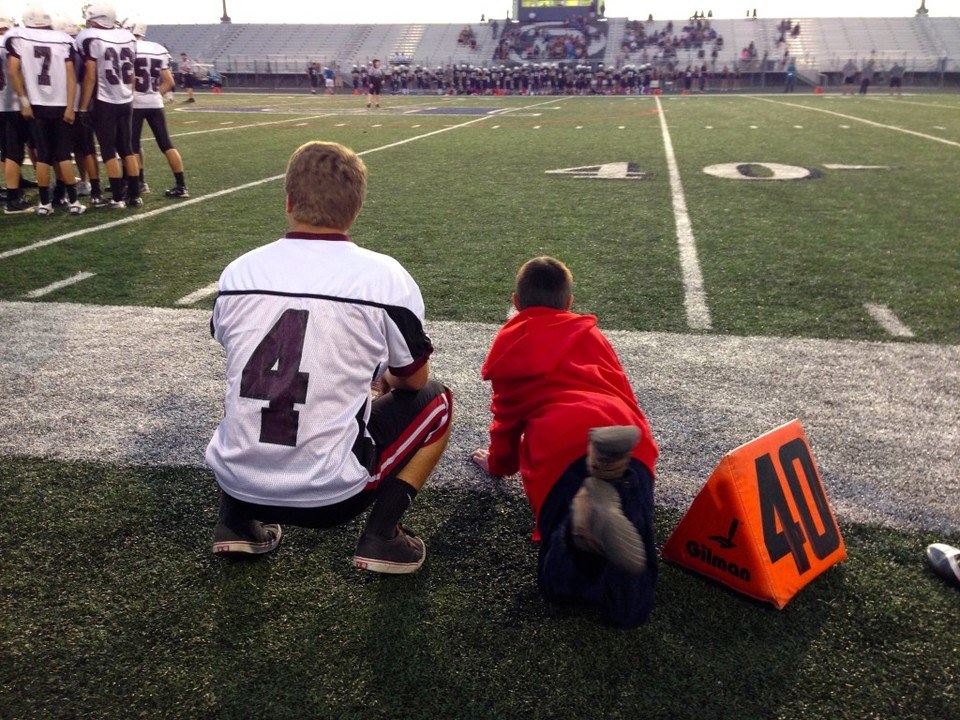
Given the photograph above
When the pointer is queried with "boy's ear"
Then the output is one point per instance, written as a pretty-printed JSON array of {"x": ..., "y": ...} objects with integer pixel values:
[
  {"x": 289, "y": 205},
  {"x": 570, "y": 302},
  {"x": 516, "y": 302}
]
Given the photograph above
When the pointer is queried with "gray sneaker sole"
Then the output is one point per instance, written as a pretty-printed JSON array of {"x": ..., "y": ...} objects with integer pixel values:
[{"x": 606, "y": 530}]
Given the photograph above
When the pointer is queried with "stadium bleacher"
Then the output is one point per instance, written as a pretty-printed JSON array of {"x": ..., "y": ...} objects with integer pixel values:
[{"x": 923, "y": 44}]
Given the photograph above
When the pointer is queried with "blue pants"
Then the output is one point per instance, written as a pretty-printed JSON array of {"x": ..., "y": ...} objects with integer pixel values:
[{"x": 568, "y": 575}]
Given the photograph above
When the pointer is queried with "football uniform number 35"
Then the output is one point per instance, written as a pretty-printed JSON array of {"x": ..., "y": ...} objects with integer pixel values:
[{"x": 273, "y": 373}]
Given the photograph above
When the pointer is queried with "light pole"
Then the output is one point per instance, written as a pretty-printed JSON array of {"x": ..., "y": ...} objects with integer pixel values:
[{"x": 225, "y": 18}]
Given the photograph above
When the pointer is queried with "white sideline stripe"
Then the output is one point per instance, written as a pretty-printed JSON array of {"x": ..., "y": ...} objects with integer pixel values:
[
  {"x": 833, "y": 166},
  {"x": 66, "y": 282},
  {"x": 694, "y": 297},
  {"x": 244, "y": 127},
  {"x": 220, "y": 193},
  {"x": 888, "y": 321},
  {"x": 197, "y": 295},
  {"x": 864, "y": 121}
]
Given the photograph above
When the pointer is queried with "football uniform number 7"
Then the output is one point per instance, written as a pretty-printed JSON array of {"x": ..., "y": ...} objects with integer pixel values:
[{"x": 273, "y": 373}]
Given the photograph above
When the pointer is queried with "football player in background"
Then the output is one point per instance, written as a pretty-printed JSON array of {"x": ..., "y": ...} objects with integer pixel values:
[
  {"x": 375, "y": 83},
  {"x": 14, "y": 130},
  {"x": 153, "y": 81},
  {"x": 108, "y": 55},
  {"x": 41, "y": 69}
]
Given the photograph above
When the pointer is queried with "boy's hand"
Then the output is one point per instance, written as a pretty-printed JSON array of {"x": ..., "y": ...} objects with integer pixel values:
[{"x": 481, "y": 457}]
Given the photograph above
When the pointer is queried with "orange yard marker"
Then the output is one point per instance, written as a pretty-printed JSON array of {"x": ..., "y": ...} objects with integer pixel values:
[{"x": 761, "y": 524}]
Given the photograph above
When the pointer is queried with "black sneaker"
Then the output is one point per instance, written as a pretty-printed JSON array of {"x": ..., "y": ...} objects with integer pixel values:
[
  {"x": 403, "y": 553},
  {"x": 18, "y": 207},
  {"x": 177, "y": 191},
  {"x": 134, "y": 202},
  {"x": 264, "y": 539},
  {"x": 144, "y": 188}
]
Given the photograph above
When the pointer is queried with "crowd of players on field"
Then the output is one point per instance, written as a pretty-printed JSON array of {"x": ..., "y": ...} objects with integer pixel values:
[
  {"x": 529, "y": 79},
  {"x": 64, "y": 91}
]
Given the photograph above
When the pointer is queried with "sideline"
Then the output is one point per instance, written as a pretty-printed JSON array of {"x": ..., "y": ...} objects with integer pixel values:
[
  {"x": 863, "y": 120},
  {"x": 695, "y": 297},
  {"x": 203, "y": 198}
]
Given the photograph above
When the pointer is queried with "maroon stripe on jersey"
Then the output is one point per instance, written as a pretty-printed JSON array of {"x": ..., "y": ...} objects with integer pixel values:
[
  {"x": 426, "y": 428},
  {"x": 317, "y": 236}
]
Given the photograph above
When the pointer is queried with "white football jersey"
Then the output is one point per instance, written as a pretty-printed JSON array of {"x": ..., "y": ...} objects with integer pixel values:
[
  {"x": 9, "y": 102},
  {"x": 43, "y": 57},
  {"x": 308, "y": 324},
  {"x": 152, "y": 59},
  {"x": 115, "y": 52}
]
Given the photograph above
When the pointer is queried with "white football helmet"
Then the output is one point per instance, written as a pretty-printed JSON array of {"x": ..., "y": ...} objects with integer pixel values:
[
  {"x": 6, "y": 21},
  {"x": 65, "y": 24},
  {"x": 135, "y": 25},
  {"x": 34, "y": 16},
  {"x": 101, "y": 15}
]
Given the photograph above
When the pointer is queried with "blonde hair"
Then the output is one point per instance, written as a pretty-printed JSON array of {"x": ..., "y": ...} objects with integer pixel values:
[{"x": 326, "y": 184}]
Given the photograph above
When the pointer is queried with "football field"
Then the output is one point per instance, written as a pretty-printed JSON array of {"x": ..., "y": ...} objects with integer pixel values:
[{"x": 753, "y": 259}]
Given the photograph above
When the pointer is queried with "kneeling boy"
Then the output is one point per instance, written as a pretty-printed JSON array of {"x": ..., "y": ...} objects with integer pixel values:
[{"x": 564, "y": 414}]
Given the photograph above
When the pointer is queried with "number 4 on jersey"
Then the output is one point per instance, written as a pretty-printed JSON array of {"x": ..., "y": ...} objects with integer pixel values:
[{"x": 273, "y": 373}]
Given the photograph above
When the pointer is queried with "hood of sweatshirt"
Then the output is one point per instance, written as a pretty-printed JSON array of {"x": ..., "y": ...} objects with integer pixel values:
[{"x": 517, "y": 351}]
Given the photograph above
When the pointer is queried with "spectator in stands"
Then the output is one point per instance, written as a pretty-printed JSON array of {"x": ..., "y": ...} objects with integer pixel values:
[
  {"x": 313, "y": 73},
  {"x": 187, "y": 78},
  {"x": 374, "y": 83},
  {"x": 866, "y": 77},
  {"x": 791, "y": 76},
  {"x": 849, "y": 77},
  {"x": 896, "y": 78}
]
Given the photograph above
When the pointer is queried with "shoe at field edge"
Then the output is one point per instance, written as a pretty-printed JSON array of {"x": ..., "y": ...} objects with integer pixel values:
[
  {"x": 83, "y": 189},
  {"x": 178, "y": 191},
  {"x": 144, "y": 188},
  {"x": 945, "y": 561},
  {"x": 44, "y": 210},
  {"x": 134, "y": 202},
  {"x": 227, "y": 542},
  {"x": 18, "y": 207},
  {"x": 403, "y": 553},
  {"x": 76, "y": 208}
]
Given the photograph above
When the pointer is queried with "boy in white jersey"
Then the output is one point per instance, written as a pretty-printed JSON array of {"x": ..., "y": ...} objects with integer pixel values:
[
  {"x": 14, "y": 131},
  {"x": 108, "y": 54},
  {"x": 153, "y": 81},
  {"x": 40, "y": 66},
  {"x": 309, "y": 323}
]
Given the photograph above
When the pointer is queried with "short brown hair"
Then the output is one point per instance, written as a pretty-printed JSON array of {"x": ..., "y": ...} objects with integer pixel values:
[
  {"x": 544, "y": 282},
  {"x": 326, "y": 184}
]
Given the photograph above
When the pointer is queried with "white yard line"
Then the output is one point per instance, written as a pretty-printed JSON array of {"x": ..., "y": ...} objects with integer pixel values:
[
  {"x": 66, "y": 282},
  {"x": 863, "y": 120},
  {"x": 196, "y": 295},
  {"x": 695, "y": 298},
  {"x": 888, "y": 320}
]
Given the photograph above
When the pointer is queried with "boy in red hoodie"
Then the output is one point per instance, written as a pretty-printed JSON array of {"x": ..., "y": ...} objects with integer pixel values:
[{"x": 565, "y": 416}]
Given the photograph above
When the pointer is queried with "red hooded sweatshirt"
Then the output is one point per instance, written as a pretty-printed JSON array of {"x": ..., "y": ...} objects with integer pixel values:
[{"x": 555, "y": 376}]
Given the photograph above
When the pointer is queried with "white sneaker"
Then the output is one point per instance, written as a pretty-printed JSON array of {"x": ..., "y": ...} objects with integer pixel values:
[
  {"x": 77, "y": 209},
  {"x": 83, "y": 189},
  {"x": 44, "y": 210}
]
